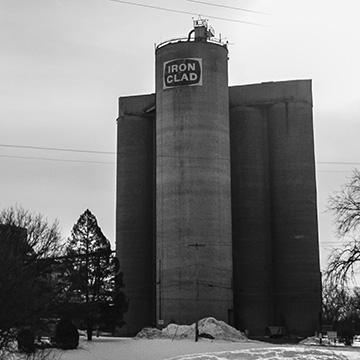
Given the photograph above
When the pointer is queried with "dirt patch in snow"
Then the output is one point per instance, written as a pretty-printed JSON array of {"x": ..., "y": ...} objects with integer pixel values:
[{"x": 208, "y": 327}]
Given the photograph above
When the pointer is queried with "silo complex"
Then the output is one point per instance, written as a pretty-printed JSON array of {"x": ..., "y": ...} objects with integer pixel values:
[
  {"x": 193, "y": 200},
  {"x": 216, "y": 197}
]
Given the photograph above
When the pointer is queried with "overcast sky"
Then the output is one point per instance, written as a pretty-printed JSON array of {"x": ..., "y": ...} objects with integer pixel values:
[{"x": 64, "y": 63}]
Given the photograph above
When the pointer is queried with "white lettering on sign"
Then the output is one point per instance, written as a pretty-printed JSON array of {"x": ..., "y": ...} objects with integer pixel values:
[{"x": 182, "y": 72}]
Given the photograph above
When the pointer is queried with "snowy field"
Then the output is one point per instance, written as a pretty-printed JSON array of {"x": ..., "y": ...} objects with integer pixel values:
[{"x": 104, "y": 348}]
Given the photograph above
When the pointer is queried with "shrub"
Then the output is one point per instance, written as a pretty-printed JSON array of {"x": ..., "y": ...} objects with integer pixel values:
[
  {"x": 66, "y": 335},
  {"x": 26, "y": 340}
]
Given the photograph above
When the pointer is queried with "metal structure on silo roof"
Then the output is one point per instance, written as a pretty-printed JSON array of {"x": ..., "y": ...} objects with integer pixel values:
[{"x": 193, "y": 195}]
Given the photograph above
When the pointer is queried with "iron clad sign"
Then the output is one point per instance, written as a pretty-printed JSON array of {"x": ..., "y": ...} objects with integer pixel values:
[{"x": 182, "y": 72}]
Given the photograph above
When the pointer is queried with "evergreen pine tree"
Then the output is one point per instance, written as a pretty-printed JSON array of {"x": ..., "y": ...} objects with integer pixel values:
[{"x": 90, "y": 272}]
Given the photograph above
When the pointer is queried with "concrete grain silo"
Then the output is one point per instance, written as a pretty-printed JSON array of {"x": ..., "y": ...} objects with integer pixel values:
[
  {"x": 251, "y": 218},
  {"x": 274, "y": 212},
  {"x": 294, "y": 212},
  {"x": 134, "y": 209},
  {"x": 193, "y": 199}
]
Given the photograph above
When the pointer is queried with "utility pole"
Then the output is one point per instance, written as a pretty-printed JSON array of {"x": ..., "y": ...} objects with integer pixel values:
[{"x": 197, "y": 246}]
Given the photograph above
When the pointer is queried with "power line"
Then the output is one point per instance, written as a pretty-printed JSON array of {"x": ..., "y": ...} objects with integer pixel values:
[
  {"x": 57, "y": 149},
  {"x": 107, "y": 162},
  {"x": 59, "y": 160},
  {"x": 185, "y": 12},
  {"x": 228, "y": 7},
  {"x": 114, "y": 153}
]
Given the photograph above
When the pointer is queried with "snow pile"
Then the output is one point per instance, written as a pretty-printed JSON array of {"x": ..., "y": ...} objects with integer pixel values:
[
  {"x": 312, "y": 340},
  {"x": 207, "y": 327},
  {"x": 174, "y": 331},
  {"x": 150, "y": 333},
  {"x": 220, "y": 330}
]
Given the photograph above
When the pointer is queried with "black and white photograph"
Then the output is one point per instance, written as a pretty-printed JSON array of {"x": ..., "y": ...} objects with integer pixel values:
[{"x": 179, "y": 180}]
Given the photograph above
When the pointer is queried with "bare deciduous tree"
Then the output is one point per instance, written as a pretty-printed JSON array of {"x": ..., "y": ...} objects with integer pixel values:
[
  {"x": 43, "y": 237},
  {"x": 345, "y": 204},
  {"x": 344, "y": 262},
  {"x": 27, "y": 240},
  {"x": 340, "y": 308},
  {"x": 335, "y": 299}
]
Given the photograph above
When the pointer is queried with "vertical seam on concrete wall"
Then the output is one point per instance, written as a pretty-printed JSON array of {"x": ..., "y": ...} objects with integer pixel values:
[
  {"x": 270, "y": 209},
  {"x": 160, "y": 160},
  {"x": 154, "y": 165},
  {"x": 287, "y": 115}
]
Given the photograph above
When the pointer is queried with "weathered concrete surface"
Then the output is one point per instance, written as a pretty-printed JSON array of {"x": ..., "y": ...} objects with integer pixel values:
[
  {"x": 251, "y": 218},
  {"x": 134, "y": 209},
  {"x": 274, "y": 211},
  {"x": 194, "y": 251},
  {"x": 296, "y": 273}
]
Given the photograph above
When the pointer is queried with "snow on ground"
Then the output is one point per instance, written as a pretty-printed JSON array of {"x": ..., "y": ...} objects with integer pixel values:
[
  {"x": 177, "y": 342},
  {"x": 104, "y": 348},
  {"x": 136, "y": 349}
]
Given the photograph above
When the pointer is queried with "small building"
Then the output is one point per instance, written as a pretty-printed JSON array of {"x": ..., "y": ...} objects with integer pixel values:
[{"x": 13, "y": 242}]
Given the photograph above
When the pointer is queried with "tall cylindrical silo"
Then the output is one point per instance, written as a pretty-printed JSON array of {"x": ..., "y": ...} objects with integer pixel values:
[
  {"x": 295, "y": 238},
  {"x": 193, "y": 200},
  {"x": 135, "y": 245},
  {"x": 252, "y": 255}
]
